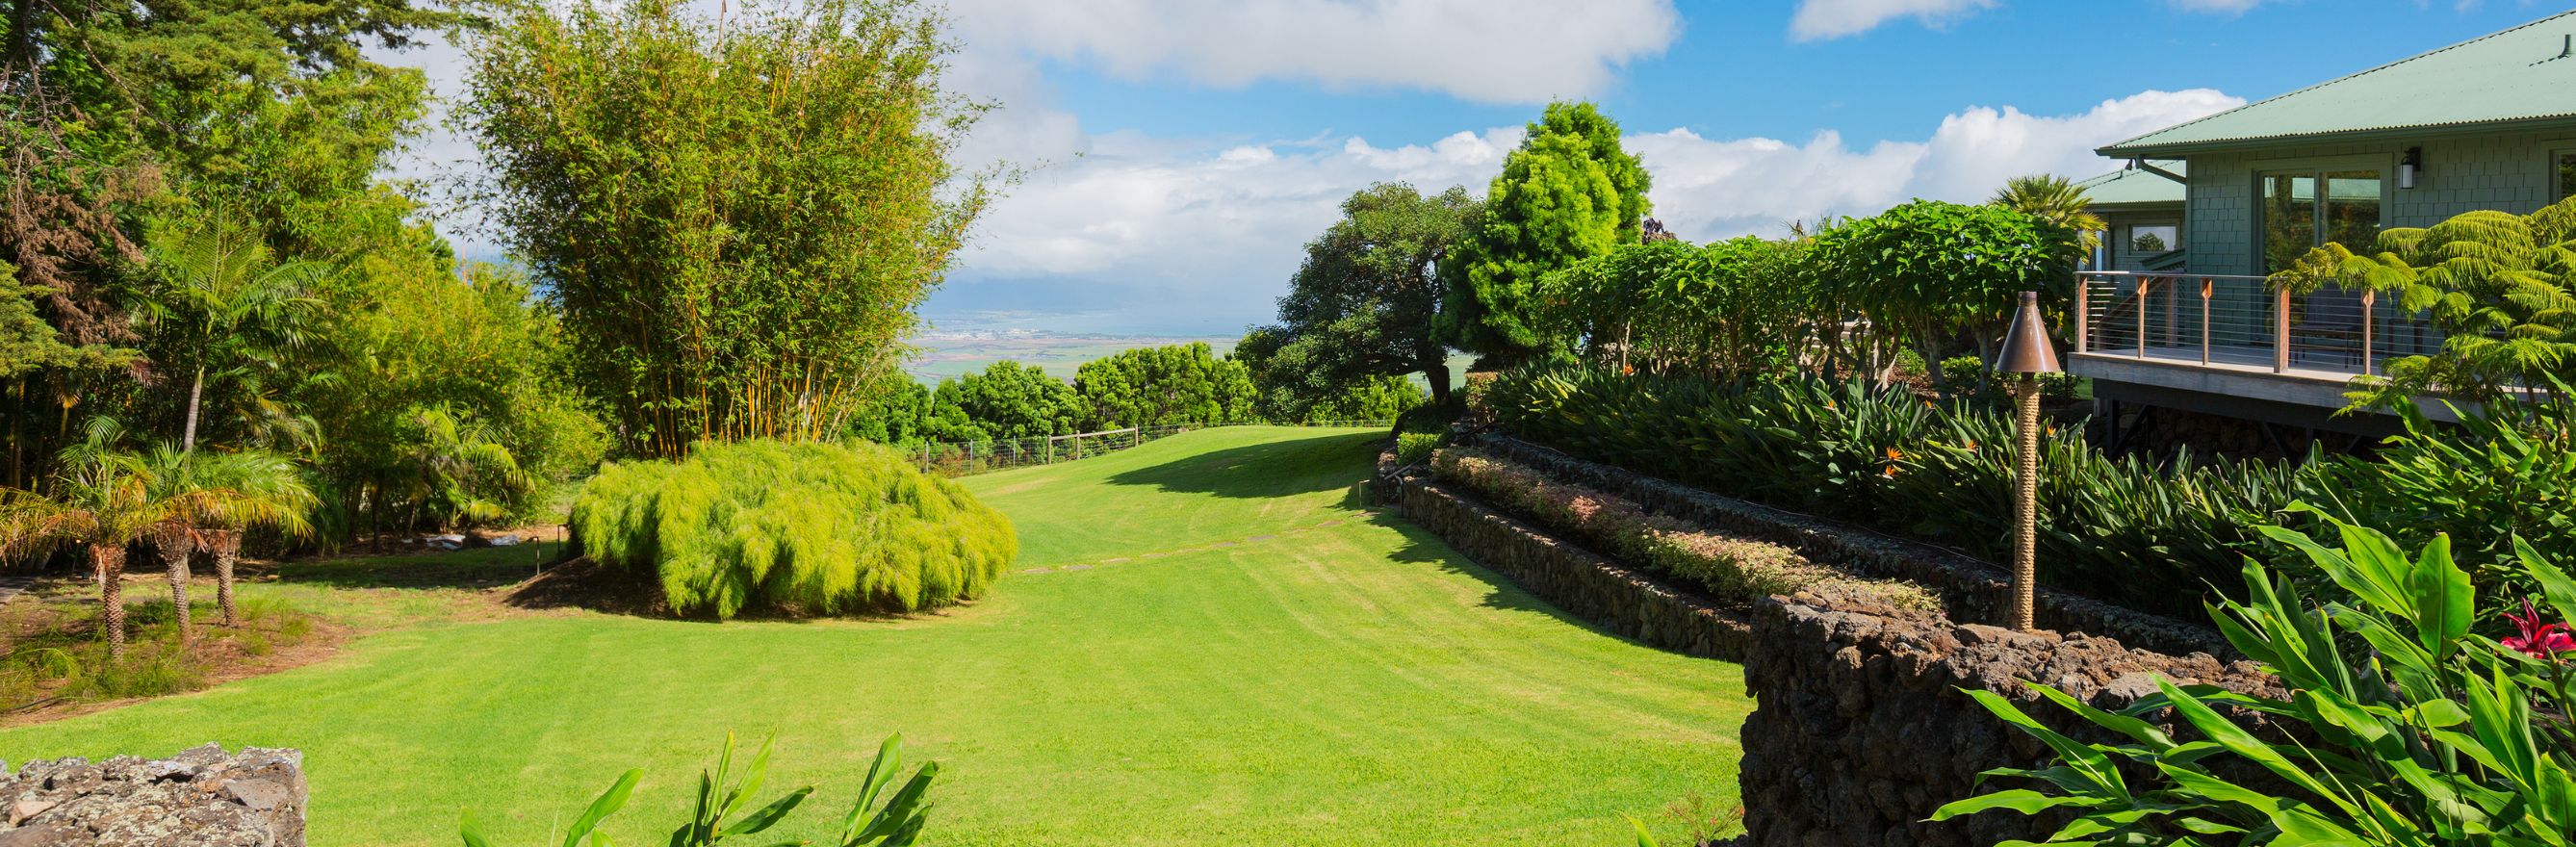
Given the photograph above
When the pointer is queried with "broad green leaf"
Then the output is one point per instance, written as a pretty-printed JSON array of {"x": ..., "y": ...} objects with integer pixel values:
[
  {"x": 472, "y": 832},
  {"x": 2020, "y": 800},
  {"x": 768, "y": 816},
  {"x": 607, "y": 804}
]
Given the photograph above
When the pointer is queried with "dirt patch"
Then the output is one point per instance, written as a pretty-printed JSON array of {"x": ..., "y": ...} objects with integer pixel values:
[{"x": 584, "y": 584}]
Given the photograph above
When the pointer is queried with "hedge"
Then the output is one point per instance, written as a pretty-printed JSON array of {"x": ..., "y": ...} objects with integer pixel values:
[
  {"x": 1732, "y": 571},
  {"x": 798, "y": 528},
  {"x": 2153, "y": 538}
]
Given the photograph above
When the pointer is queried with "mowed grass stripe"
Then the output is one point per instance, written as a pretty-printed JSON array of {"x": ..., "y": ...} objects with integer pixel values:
[{"x": 1353, "y": 684}]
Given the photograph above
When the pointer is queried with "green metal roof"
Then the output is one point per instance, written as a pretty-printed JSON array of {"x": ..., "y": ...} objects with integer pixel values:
[
  {"x": 2134, "y": 187},
  {"x": 2523, "y": 74}
]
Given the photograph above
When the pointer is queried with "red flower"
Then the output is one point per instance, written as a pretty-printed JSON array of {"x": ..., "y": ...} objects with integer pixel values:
[{"x": 2538, "y": 640}]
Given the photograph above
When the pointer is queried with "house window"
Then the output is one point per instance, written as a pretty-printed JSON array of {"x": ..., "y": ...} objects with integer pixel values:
[
  {"x": 2566, "y": 167},
  {"x": 2155, "y": 238},
  {"x": 2306, "y": 210}
]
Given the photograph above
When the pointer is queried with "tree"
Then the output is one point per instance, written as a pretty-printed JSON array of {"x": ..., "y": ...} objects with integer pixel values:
[
  {"x": 223, "y": 301},
  {"x": 1568, "y": 193},
  {"x": 1156, "y": 386},
  {"x": 1011, "y": 400},
  {"x": 1938, "y": 276},
  {"x": 258, "y": 489},
  {"x": 2501, "y": 287},
  {"x": 735, "y": 217},
  {"x": 103, "y": 499},
  {"x": 2054, "y": 199},
  {"x": 211, "y": 493},
  {"x": 1366, "y": 301}
]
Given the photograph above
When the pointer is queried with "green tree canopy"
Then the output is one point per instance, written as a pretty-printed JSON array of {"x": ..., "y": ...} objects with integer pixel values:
[
  {"x": 1937, "y": 276},
  {"x": 1011, "y": 400},
  {"x": 1364, "y": 303},
  {"x": 736, "y": 218},
  {"x": 2054, "y": 199},
  {"x": 1154, "y": 386},
  {"x": 1567, "y": 194}
]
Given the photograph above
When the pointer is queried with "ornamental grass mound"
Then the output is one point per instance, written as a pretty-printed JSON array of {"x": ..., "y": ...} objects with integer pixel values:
[{"x": 796, "y": 528}]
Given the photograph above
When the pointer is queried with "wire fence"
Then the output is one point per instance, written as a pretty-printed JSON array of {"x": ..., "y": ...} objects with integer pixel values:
[{"x": 961, "y": 458}]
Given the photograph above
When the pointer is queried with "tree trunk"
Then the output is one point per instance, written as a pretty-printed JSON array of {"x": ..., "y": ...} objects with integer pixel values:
[
  {"x": 175, "y": 546},
  {"x": 1436, "y": 371},
  {"x": 226, "y": 544},
  {"x": 196, "y": 390},
  {"x": 108, "y": 561}
]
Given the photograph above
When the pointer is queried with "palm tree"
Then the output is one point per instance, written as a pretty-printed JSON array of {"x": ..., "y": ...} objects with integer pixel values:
[
  {"x": 453, "y": 469},
  {"x": 2055, "y": 199},
  {"x": 103, "y": 499},
  {"x": 257, "y": 488},
  {"x": 214, "y": 496},
  {"x": 224, "y": 301}
]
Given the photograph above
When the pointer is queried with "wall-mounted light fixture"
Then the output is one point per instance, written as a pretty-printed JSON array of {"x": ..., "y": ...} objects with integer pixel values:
[{"x": 2408, "y": 167}]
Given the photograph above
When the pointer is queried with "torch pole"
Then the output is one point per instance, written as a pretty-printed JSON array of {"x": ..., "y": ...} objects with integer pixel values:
[{"x": 2025, "y": 575}]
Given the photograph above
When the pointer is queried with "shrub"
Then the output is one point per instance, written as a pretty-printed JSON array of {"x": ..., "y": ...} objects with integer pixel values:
[
  {"x": 1734, "y": 571},
  {"x": 2117, "y": 529},
  {"x": 2502, "y": 474},
  {"x": 2409, "y": 730},
  {"x": 801, "y": 528},
  {"x": 1413, "y": 448}
]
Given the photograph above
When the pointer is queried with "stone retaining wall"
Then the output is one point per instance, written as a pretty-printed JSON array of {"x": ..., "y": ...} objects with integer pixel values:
[
  {"x": 1971, "y": 589},
  {"x": 1582, "y": 583},
  {"x": 199, "y": 798},
  {"x": 1860, "y": 731}
]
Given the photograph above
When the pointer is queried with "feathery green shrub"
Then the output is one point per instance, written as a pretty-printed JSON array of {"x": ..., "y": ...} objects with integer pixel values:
[
  {"x": 2120, "y": 530},
  {"x": 804, "y": 528},
  {"x": 1733, "y": 571}
]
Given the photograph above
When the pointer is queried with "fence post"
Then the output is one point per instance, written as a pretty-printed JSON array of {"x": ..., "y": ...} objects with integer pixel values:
[{"x": 2281, "y": 330}]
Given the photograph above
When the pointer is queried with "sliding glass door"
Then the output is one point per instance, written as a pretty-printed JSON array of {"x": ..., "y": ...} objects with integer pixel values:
[{"x": 2304, "y": 210}]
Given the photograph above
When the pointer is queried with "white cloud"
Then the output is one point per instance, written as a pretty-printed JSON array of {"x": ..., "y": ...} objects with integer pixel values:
[
  {"x": 1828, "y": 19},
  {"x": 1216, "y": 229},
  {"x": 1512, "y": 51}
]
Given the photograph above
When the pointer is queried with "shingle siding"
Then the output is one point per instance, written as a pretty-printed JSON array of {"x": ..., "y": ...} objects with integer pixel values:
[{"x": 2507, "y": 172}]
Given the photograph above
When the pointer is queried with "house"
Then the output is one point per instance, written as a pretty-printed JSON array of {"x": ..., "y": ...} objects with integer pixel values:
[{"x": 2175, "y": 312}]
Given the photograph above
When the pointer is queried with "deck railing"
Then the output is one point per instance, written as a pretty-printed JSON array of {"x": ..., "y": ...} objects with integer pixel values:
[{"x": 2235, "y": 321}]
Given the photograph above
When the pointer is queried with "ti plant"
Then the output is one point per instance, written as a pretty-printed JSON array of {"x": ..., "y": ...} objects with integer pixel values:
[
  {"x": 2404, "y": 727},
  {"x": 722, "y": 796}
]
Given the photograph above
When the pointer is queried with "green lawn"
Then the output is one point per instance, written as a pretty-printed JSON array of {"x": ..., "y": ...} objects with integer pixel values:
[{"x": 1222, "y": 648}]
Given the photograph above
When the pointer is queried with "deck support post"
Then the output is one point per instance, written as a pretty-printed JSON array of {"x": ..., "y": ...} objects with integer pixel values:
[
  {"x": 2368, "y": 297},
  {"x": 2206, "y": 288},
  {"x": 2146, "y": 288},
  {"x": 2083, "y": 314}
]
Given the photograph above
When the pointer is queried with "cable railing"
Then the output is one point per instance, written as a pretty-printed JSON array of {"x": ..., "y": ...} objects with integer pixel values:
[
  {"x": 961, "y": 458},
  {"x": 2243, "y": 322}
]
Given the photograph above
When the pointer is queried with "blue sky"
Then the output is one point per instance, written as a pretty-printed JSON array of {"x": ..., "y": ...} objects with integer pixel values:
[{"x": 1183, "y": 150}]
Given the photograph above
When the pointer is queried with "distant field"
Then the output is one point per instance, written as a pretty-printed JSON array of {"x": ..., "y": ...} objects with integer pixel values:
[{"x": 942, "y": 358}]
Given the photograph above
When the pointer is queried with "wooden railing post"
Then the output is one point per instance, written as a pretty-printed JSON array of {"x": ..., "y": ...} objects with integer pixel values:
[
  {"x": 2083, "y": 314},
  {"x": 2206, "y": 288},
  {"x": 2281, "y": 331},
  {"x": 2368, "y": 297},
  {"x": 2145, "y": 287}
]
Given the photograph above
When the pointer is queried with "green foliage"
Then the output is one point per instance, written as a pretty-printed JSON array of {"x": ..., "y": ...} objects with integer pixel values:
[
  {"x": 803, "y": 528},
  {"x": 2409, "y": 729},
  {"x": 223, "y": 305},
  {"x": 2121, "y": 530},
  {"x": 1930, "y": 275},
  {"x": 1009, "y": 400},
  {"x": 1291, "y": 383},
  {"x": 735, "y": 217},
  {"x": 2500, "y": 287},
  {"x": 1969, "y": 377},
  {"x": 1742, "y": 306},
  {"x": 1733, "y": 571},
  {"x": 1567, "y": 194},
  {"x": 1364, "y": 304},
  {"x": 2506, "y": 473},
  {"x": 2057, "y": 200},
  {"x": 1414, "y": 448},
  {"x": 1155, "y": 386},
  {"x": 722, "y": 795}
]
